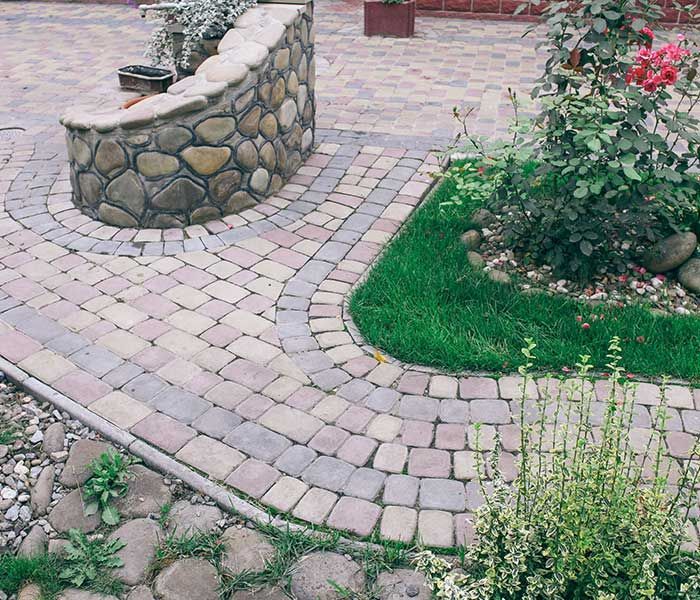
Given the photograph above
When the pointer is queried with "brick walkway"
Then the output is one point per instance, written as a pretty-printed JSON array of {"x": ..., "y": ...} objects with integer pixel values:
[{"x": 227, "y": 345}]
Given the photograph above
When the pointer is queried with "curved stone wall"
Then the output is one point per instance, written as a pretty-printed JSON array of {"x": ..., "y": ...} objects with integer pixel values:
[{"x": 216, "y": 143}]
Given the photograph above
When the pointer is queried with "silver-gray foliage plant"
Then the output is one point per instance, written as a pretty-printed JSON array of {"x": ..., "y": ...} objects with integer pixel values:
[
  {"x": 199, "y": 19},
  {"x": 598, "y": 511}
]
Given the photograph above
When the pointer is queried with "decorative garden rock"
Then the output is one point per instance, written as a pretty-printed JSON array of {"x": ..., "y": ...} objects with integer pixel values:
[
  {"x": 482, "y": 217},
  {"x": 402, "y": 584},
  {"x": 499, "y": 276},
  {"x": 475, "y": 260},
  {"x": 141, "y": 537},
  {"x": 146, "y": 495},
  {"x": 471, "y": 239},
  {"x": 246, "y": 550},
  {"x": 69, "y": 513},
  {"x": 186, "y": 579},
  {"x": 216, "y": 143},
  {"x": 312, "y": 576},
  {"x": 671, "y": 252},
  {"x": 186, "y": 518},
  {"x": 689, "y": 275},
  {"x": 82, "y": 453}
]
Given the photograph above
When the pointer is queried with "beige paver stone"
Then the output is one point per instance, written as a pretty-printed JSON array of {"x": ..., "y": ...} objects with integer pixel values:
[
  {"x": 315, "y": 506},
  {"x": 211, "y": 456},
  {"x": 120, "y": 409},
  {"x": 285, "y": 493},
  {"x": 123, "y": 343},
  {"x": 398, "y": 523},
  {"x": 435, "y": 528},
  {"x": 293, "y": 423},
  {"x": 46, "y": 365},
  {"x": 384, "y": 428},
  {"x": 123, "y": 315},
  {"x": 180, "y": 343}
]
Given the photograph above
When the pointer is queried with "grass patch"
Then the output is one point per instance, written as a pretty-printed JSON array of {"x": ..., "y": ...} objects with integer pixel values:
[{"x": 423, "y": 303}]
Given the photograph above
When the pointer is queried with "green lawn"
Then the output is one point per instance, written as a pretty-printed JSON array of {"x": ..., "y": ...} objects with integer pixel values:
[{"x": 423, "y": 303}]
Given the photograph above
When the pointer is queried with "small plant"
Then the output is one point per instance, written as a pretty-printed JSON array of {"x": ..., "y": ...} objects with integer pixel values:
[
  {"x": 109, "y": 480},
  {"x": 41, "y": 569},
  {"x": 85, "y": 560},
  {"x": 590, "y": 515},
  {"x": 8, "y": 432}
]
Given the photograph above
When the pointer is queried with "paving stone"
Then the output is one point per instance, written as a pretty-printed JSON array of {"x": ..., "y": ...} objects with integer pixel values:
[
  {"x": 354, "y": 515},
  {"x": 217, "y": 422},
  {"x": 450, "y": 436},
  {"x": 425, "y": 462},
  {"x": 329, "y": 473},
  {"x": 295, "y": 460},
  {"x": 454, "y": 411},
  {"x": 75, "y": 594},
  {"x": 179, "y": 404},
  {"x": 490, "y": 411},
  {"x": 315, "y": 506},
  {"x": 121, "y": 409},
  {"x": 213, "y": 457},
  {"x": 140, "y": 592},
  {"x": 164, "y": 432},
  {"x": 253, "y": 477},
  {"x": 357, "y": 450},
  {"x": 398, "y": 524},
  {"x": 464, "y": 529},
  {"x": 142, "y": 538},
  {"x": 258, "y": 442},
  {"x": 435, "y": 528},
  {"x": 442, "y": 386},
  {"x": 245, "y": 550},
  {"x": 314, "y": 576},
  {"x": 365, "y": 483},
  {"x": 478, "y": 387},
  {"x": 442, "y": 494},
  {"x": 77, "y": 470},
  {"x": 294, "y": 424},
  {"x": 186, "y": 579},
  {"x": 418, "y": 407},
  {"x": 382, "y": 400},
  {"x": 146, "y": 495},
  {"x": 285, "y": 493},
  {"x": 391, "y": 458}
]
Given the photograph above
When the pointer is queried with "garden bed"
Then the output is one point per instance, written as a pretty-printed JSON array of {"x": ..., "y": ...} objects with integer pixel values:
[{"x": 446, "y": 314}]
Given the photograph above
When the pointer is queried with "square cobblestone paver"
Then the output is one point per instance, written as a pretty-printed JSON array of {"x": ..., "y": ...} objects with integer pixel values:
[
  {"x": 315, "y": 506},
  {"x": 211, "y": 456},
  {"x": 398, "y": 523},
  {"x": 253, "y": 477},
  {"x": 121, "y": 409},
  {"x": 164, "y": 432},
  {"x": 354, "y": 515}
]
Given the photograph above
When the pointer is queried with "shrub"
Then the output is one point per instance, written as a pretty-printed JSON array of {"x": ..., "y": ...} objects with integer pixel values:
[
  {"x": 200, "y": 19},
  {"x": 613, "y": 148},
  {"x": 590, "y": 515}
]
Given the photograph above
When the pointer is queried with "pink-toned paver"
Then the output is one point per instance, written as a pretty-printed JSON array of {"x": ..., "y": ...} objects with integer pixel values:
[{"x": 228, "y": 346}]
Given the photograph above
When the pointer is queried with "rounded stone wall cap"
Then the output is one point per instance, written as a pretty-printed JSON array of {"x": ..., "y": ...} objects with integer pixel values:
[
  {"x": 283, "y": 13},
  {"x": 252, "y": 16},
  {"x": 137, "y": 116},
  {"x": 269, "y": 36},
  {"x": 107, "y": 121},
  {"x": 227, "y": 72},
  {"x": 209, "y": 63},
  {"x": 249, "y": 53},
  {"x": 231, "y": 39},
  {"x": 178, "y": 105},
  {"x": 183, "y": 85},
  {"x": 210, "y": 89}
]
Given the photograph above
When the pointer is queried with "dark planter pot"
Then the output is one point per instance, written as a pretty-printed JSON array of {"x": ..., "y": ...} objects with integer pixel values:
[
  {"x": 397, "y": 20},
  {"x": 145, "y": 79}
]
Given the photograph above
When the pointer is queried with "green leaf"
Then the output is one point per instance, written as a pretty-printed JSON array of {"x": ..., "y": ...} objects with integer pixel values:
[
  {"x": 594, "y": 144},
  {"x": 586, "y": 247},
  {"x": 600, "y": 25},
  {"x": 110, "y": 515},
  {"x": 581, "y": 192},
  {"x": 91, "y": 508},
  {"x": 628, "y": 159},
  {"x": 631, "y": 173}
]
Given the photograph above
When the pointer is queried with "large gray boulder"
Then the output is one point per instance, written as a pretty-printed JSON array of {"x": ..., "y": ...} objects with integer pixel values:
[
  {"x": 69, "y": 513},
  {"x": 671, "y": 252},
  {"x": 689, "y": 275},
  {"x": 313, "y": 574}
]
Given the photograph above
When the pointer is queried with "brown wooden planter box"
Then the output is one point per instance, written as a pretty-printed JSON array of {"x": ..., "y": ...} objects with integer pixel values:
[{"x": 396, "y": 20}]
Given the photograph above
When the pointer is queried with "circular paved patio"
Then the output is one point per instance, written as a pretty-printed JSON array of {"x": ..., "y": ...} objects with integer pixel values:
[{"x": 227, "y": 346}]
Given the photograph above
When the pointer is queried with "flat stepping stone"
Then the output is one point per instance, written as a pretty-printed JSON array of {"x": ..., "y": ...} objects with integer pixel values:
[
  {"x": 186, "y": 579},
  {"x": 140, "y": 592},
  {"x": 246, "y": 550},
  {"x": 30, "y": 592},
  {"x": 402, "y": 584},
  {"x": 266, "y": 593},
  {"x": 312, "y": 576},
  {"x": 76, "y": 470},
  {"x": 69, "y": 513},
  {"x": 147, "y": 493},
  {"x": 188, "y": 518},
  {"x": 73, "y": 594},
  {"x": 142, "y": 537}
]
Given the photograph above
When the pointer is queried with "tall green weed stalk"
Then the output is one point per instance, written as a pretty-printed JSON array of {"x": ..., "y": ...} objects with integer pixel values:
[{"x": 598, "y": 511}]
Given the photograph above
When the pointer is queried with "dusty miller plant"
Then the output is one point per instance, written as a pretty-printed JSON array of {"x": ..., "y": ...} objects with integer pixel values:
[
  {"x": 607, "y": 167},
  {"x": 591, "y": 514},
  {"x": 200, "y": 19}
]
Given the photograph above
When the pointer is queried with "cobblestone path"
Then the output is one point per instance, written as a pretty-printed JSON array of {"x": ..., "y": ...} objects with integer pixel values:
[{"x": 227, "y": 346}]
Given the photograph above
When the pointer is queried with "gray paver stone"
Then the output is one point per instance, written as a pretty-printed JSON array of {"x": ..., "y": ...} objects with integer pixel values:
[
  {"x": 329, "y": 473},
  {"x": 442, "y": 494}
]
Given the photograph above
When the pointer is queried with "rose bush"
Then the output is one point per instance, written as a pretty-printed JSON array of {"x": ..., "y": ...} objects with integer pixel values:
[{"x": 608, "y": 166}]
